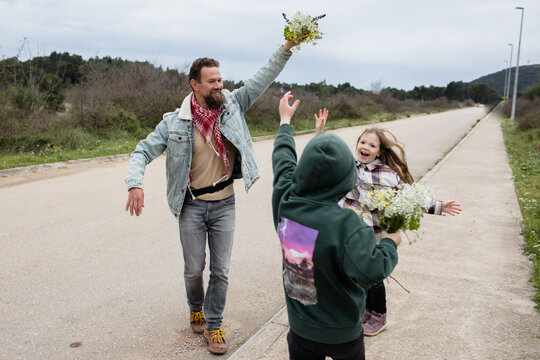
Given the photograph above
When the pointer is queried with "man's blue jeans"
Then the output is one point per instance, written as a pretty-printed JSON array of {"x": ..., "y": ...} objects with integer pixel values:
[{"x": 213, "y": 219}]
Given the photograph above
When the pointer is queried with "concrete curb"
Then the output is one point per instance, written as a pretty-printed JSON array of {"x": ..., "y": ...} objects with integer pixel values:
[{"x": 264, "y": 339}]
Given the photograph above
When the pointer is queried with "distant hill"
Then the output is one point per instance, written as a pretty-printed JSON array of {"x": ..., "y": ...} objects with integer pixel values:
[{"x": 528, "y": 75}]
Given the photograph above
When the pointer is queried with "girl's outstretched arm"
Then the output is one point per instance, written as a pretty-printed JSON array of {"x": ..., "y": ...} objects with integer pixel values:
[{"x": 451, "y": 208}]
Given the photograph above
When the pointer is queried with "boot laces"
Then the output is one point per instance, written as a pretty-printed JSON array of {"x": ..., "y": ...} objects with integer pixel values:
[
  {"x": 197, "y": 317},
  {"x": 217, "y": 334}
]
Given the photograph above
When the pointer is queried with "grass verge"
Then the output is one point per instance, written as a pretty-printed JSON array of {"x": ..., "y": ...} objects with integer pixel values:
[
  {"x": 50, "y": 154},
  {"x": 523, "y": 149}
]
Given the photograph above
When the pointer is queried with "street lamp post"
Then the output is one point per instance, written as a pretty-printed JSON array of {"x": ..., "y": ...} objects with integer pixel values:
[
  {"x": 509, "y": 71},
  {"x": 505, "y": 80},
  {"x": 517, "y": 66}
]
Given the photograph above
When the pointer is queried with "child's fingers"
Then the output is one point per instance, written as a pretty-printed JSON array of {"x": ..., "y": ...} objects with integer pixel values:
[
  {"x": 285, "y": 98},
  {"x": 452, "y": 208}
]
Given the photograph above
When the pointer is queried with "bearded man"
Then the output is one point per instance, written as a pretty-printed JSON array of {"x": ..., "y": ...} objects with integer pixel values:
[{"x": 208, "y": 146}]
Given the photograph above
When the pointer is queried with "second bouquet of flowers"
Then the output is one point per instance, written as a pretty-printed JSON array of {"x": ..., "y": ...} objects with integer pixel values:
[{"x": 401, "y": 208}]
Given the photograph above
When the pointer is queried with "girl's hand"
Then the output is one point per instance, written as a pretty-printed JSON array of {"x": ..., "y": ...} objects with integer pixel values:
[
  {"x": 320, "y": 121},
  {"x": 451, "y": 208}
]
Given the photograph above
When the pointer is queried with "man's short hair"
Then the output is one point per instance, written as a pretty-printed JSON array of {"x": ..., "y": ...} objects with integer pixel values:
[{"x": 198, "y": 64}]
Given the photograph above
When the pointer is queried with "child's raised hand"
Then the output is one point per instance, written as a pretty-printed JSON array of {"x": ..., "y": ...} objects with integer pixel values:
[
  {"x": 320, "y": 121},
  {"x": 451, "y": 208},
  {"x": 286, "y": 111}
]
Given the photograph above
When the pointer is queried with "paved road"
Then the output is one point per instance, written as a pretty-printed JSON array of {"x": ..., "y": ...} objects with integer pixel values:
[{"x": 81, "y": 279}]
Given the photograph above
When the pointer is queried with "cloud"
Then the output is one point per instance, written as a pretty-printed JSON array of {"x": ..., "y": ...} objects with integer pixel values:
[{"x": 418, "y": 42}]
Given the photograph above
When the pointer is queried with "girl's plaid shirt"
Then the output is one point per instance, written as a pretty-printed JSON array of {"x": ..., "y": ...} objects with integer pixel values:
[{"x": 376, "y": 175}]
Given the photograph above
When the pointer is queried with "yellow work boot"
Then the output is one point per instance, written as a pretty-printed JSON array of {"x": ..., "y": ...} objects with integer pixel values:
[
  {"x": 197, "y": 321},
  {"x": 216, "y": 341}
]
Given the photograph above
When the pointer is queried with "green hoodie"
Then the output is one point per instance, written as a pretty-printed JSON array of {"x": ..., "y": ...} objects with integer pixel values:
[{"x": 330, "y": 256}]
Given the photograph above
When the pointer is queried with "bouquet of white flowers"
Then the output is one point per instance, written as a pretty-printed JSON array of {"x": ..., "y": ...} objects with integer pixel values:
[
  {"x": 400, "y": 209},
  {"x": 302, "y": 28}
]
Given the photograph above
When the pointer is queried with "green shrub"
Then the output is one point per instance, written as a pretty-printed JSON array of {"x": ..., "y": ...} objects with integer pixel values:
[
  {"x": 104, "y": 117},
  {"x": 533, "y": 91},
  {"x": 527, "y": 114},
  {"x": 529, "y": 120},
  {"x": 72, "y": 138},
  {"x": 24, "y": 142}
]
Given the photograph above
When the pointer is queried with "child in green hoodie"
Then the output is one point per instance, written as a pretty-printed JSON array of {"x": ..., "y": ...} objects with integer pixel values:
[{"x": 330, "y": 256}]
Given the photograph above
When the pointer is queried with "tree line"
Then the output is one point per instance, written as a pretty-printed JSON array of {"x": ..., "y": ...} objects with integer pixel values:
[{"x": 63, "y": 100}]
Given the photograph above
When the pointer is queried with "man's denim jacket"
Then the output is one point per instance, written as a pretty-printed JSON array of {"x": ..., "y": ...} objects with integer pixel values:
[{"x": 175, "y": 134}]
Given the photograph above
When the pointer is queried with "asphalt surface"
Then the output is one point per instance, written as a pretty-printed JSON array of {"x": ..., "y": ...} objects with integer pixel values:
[{"x": 83, "y": 280}]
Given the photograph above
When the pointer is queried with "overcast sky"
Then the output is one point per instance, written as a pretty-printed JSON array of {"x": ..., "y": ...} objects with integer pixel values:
[{"x": 398, "y": 43}]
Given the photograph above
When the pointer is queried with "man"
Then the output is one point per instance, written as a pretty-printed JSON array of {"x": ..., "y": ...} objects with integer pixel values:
[
  {"x": 208, "y": 145},
  {"x": 330, "y": 256}
]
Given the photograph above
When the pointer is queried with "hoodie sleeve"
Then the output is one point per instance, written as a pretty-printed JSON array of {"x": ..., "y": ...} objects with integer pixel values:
[
  {"x": 367, "y": 262},
  {"x": 284, "y": 162}
]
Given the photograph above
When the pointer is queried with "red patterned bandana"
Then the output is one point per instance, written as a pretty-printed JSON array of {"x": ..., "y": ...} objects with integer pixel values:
[{"x": 206, "y": 121}]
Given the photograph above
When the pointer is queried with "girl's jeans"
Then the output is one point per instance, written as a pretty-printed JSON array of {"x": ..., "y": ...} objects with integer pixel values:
[{"x": 198, "y": 220}]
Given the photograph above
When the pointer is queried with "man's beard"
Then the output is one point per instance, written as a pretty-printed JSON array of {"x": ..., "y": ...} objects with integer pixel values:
[{"x": 214, "y": 102}]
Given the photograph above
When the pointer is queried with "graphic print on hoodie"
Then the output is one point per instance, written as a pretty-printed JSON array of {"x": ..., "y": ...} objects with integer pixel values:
[{"x": 297, "y": 244}]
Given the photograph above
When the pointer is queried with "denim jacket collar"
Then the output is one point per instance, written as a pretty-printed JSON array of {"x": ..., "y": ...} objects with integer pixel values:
[{"x": 185, "y": 108}]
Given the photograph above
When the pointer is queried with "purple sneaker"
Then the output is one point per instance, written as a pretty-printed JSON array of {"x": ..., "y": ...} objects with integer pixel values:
[
  {"x": 366, "y": 316},
  {"x": 375, "y": 324}
]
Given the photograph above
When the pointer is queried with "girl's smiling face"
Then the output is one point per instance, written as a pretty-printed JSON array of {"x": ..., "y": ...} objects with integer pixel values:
[{"x": 368, "y": 148}]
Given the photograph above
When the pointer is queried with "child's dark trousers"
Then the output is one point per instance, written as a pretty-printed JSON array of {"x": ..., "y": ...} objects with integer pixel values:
[{"x": 304, "y": 349}]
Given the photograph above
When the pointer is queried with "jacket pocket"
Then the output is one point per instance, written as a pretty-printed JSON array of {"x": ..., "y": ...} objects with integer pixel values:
[
  {"x": 232, "y": 118},
  {"x": 178, "y": 144}
]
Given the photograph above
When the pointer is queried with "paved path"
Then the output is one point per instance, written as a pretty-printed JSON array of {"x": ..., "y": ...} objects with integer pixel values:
[
  {"x": 470, "y": 297},
  {"x": 81, "y": 279}
]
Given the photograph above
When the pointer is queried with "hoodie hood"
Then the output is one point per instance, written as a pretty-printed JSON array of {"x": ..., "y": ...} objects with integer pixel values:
[{"x": 325, "y": 170}]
